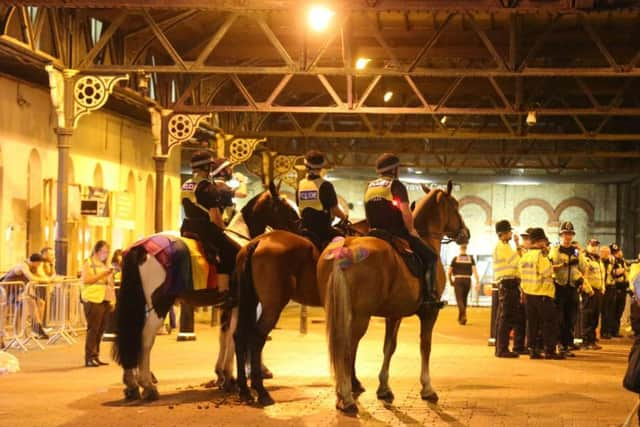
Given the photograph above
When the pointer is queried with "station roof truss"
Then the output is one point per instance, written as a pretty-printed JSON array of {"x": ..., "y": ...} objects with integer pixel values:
[{"x": 465, "y": 76}]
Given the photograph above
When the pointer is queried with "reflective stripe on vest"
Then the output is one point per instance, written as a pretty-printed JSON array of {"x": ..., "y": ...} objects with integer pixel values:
[
  {"x": 594, "y": 275},
  {"x": 309, "y": 194},
  {"x": 188, "y": 191},
  {"x": 379, "y": 189},
  {"x": 536, "y": 274},
  {"x": 505, "y": 261}
]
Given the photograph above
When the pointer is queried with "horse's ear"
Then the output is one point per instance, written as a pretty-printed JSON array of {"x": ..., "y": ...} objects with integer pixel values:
[
  {"x": 278, "y": 187},
  {"x": 425, "y": 188},
  {"x": 449, "y": 187},
  {"x": 273, "y": 190}
]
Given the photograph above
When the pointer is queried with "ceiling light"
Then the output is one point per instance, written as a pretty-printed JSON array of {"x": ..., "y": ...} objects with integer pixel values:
[
  {"x": 361, "y": 63},
  {"x": 319, "y": 17},
  {"x": 444, "y": 119},
  {"x": 418, "y": 172},
  {"x": 531, "y": 118},
  {"x": 387, "y": 96}
]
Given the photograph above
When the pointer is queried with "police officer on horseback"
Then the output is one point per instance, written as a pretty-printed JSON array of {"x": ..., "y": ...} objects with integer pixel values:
[
  {"x": 386, "y": 204},
  {"x": 203, "y": 202},
  {"x": 318, "y": 202}
]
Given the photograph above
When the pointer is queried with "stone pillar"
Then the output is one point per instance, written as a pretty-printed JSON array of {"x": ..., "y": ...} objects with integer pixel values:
[
  {"x": 62, "y": 211},
  {"x": 161, "y": 162}
]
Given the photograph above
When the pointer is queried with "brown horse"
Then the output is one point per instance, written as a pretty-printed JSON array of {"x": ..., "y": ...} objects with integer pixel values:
[{"x": 382, "y": 285}]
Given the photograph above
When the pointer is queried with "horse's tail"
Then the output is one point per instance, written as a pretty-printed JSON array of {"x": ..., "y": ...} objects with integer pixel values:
[
  {"x": 130, "y": 311},
  {"x": 338, "y": 312},
  {"x": 247, "y": 296}
]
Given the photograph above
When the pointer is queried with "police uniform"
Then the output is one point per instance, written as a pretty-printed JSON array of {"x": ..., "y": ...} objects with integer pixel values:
[
  {"x": 199, "y": 195},
  {"x": 536, "y": 274},
  {"x": 381, "y": 205},
  {"x": 316, "y": 197},
  {"x": 607, "y": 328},
  {"x": 620, "y": 276},
  {"x": 462, "y": 269},
  {"x": 510, "y": 313},
  {"x": 569, "y": 263},
  {"x": 593, "y": 287}
]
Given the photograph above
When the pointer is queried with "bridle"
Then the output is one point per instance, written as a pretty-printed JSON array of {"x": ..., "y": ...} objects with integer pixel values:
[{"x": 444, "y": 237}]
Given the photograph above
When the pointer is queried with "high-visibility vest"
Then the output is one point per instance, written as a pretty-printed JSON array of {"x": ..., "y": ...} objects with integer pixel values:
[
  {"x": 634, "y": 276},
  {"x": 624, "y": 277},
  {"x": 309, "y": 194},
  {"x": 99, "y": 291},
  {"x": 536, "y": 274},
  {"x": 561, "y": 274},
  {"x": 188, "y": 191},
  {"x": 505, "y": 261},
  {"x": 379, "y": 189},
  {"x": 594, "y": 273}
]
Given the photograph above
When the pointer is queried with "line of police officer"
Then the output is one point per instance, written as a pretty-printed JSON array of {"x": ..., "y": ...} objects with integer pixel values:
[{"x": 540, "y": 289}]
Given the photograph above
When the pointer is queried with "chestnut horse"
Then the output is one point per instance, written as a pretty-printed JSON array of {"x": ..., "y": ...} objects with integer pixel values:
[{"x": 380, "y": 284}]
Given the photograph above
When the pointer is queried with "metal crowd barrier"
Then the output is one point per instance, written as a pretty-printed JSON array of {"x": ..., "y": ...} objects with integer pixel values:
[{"x": 57, "y": 306}]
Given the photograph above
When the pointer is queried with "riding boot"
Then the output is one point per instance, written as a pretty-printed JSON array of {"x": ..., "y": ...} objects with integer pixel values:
[{"x": 429, "y": 296}]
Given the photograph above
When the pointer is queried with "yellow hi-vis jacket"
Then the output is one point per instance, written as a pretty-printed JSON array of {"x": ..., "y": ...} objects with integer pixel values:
[
  {"x": 309, "y": 194},
  {"x": 99, "y": 291},
  {"x": 379, "y": 189},
  {"x": 505, "y": 261},
  {"x": 561, "y": 274},
  {"x": 536, "y": 274},
  {"x": 594, "y": 275}
]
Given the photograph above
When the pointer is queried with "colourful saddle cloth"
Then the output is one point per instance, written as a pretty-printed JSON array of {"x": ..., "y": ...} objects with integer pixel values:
[{"x": 183, "y": 260}]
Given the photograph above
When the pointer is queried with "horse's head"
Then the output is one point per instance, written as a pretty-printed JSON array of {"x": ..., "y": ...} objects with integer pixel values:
[
  {"x": 271, "y": 209},
  {"x": 437, "y": 215}
]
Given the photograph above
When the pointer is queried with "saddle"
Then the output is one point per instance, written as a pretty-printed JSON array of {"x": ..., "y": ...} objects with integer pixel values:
[
  {"x": 210, "y": 251},
  {"x": 313, "y": 238},
  {"x": 402, "y": 248}
]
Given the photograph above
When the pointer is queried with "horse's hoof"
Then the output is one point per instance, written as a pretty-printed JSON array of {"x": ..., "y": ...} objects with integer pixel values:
[
  {"x": 245, "y": 396},
  {"x": 431, "y": 397},
  {"x": 357, "y": 389},
  {"x": 131, "y": 394},
  {"x": 266, "y": 373},
  {"x": 213, "y": 383},
  {"x": 150, "y": 394},
  {"x": 264, "y": 399},
  {"x": 347, "y": 408},
  {"x": 386, "y": 395},
  {"x": 154, "y": 380}
]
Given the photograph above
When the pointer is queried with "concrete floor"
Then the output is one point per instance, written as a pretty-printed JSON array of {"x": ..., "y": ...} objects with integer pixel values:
[{"x": 475, "y": 388}]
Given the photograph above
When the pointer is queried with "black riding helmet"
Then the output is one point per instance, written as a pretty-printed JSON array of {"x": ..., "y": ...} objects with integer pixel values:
[
  {"x": 503, "y": 226},
  {"x": 201, "y": 160},
  {"x": 315, "y": 160},
  {"x": 387, "y": 162}
]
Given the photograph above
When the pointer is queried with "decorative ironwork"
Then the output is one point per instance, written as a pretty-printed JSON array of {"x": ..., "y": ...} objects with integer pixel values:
[
  {"x": 181, "y": 127},
  {"x": 241, "y": 149},
  {"x": 254, "y": 165},
  {"x": 90, "y": 93},
  {"x": 284, "y": 167}
]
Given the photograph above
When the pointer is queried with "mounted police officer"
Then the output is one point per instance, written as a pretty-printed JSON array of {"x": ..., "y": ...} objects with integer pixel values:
[
  {"x": 318, "y": 202},
  {"x": 568, "y": 265},
  {"x": 510, "y": 312},
  {"x": 203, "y": 202},
  {"x": 386, "y": 204}
]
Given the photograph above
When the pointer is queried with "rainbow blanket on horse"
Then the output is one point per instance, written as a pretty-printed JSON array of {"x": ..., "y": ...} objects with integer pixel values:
[{"x": 183, "y": 261}]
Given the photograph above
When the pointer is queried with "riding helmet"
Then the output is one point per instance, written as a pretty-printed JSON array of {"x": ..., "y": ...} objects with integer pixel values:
[
  {"x": 201, "y": 158},
  {"x": 537, "y": 234},
  {"x": 387, "y": 162},
  {"x": 567, "y": 227},
  {"x": 315, "y": 160}
]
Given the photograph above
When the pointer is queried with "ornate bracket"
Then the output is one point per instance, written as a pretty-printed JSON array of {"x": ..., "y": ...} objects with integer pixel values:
[
  {"x": 284, "y": 167},
  {"x": 181, "y": 127},
  {"x": 90, "y": 93},
  {"x": 241, "y": 149},
  {"x": 74, "y": 96}
]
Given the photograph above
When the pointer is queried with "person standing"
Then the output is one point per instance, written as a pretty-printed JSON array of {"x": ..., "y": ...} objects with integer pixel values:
[
  {"x": 536, "y": 272},
  {"x": 318, "y": 202},
  {"x": 620, "y": 273},
  {"x": 98, "y": 295},
  {"x": 462, "y": 267},
  {"x": 568, "y": 264},
  {"x": 592, "y": 289},
  {"x": 609, "y": 297},
  {"x": 505, "y": 272}
]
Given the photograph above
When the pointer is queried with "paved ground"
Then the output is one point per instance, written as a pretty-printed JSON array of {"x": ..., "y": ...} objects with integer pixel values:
[{"x": 475, "y": 388}]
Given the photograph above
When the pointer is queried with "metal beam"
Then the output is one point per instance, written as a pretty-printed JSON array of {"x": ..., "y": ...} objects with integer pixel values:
[
  {"x": 215, "y": 39},
  {"x": 598, "y": 41},
  {"x": 332, "y": 92},
  {"x": 429, "y": 44},
  {"x": 488, "y": 44},
  {"x": 164, "y": 41},
  {"x": 540, "y": 41},
  {"x": 104, "y": 39},
  {"x": 368, "y": 90},
  {"x": 275, "y": 41},
  {"x": 278, "y": 89}
]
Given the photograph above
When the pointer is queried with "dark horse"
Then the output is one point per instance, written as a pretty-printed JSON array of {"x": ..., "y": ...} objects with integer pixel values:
[{"x": 141, "y": 306}]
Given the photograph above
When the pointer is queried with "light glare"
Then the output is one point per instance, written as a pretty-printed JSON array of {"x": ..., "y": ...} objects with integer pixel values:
[
  {"x": 387, "y": 96},
  {"x": 319, "y": 17},
  {"x": 361, "y": 63}
]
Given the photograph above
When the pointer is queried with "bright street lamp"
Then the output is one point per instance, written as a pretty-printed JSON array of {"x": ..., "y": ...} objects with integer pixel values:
[{"x": 319, "y": 17}]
